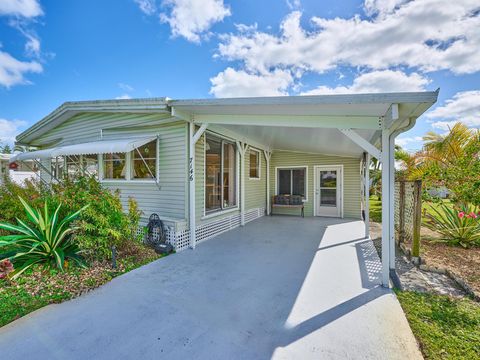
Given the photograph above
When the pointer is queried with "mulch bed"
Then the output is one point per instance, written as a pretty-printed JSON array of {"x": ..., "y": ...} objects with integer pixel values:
[{"x": 465, "y": 263}]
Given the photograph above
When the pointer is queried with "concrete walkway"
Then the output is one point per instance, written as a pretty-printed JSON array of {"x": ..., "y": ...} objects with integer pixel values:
[{"x": 281, "y": 287}]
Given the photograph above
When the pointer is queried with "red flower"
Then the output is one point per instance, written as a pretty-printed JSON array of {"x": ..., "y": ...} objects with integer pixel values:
[
  {"x": 473, "y": 215},
  {"x": 461, "y": 214}
]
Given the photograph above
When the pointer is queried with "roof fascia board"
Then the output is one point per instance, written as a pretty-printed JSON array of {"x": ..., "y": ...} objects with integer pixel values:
[{"x": 379, "y": 98}]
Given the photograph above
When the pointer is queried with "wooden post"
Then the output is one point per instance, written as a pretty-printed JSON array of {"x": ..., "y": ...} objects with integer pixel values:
[
  {"x": 417, "y": 217},
  {"x": 401, "y": 212}
]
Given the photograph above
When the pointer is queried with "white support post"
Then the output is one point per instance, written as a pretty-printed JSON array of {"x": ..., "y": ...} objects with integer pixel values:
[
  {"x": 367, "y": 195},
  {"x": 193, "y": 137},
  {"x": 391, "y": 193},
  {"x": 268, "y": 155},
  {"x": 242, "y": 148},
  {"x": 385, "y": 208}
]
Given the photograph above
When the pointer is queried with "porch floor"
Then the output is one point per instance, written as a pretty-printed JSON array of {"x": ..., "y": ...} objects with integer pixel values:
[{"x": 281, "y": 287}]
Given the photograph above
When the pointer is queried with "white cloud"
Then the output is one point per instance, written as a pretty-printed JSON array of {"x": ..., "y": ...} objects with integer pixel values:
[
  {"x": 9, "y": 129},
  {"x": 377, "y": 81},
  {"x": 147, "y": 6},
  {"x": 427, "y": 35},
  {"x": 233, "y": 83},
  {"x": 408, "y": 142},
  {"x": 382, "y": 7},
  {"x": 32, "y": 46},
  {"x": 12, "y": 71},
  {"x": 293, "y": 4},
  {"x": 192, "y": 18},
  {"x": 463, "y": 106},
  {"x": 24, "y": 8},
  {"x": 123, "y": 97},
  {"x": 125, "y": 87}
]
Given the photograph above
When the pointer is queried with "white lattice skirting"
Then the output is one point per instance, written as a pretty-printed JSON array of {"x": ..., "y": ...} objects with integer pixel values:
[{"x": 181, "y": 239}]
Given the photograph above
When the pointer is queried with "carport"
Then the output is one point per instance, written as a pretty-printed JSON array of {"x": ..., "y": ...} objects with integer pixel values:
[
  {"x": 249, "y": 293},
  {"x": 357, "y": 125}
]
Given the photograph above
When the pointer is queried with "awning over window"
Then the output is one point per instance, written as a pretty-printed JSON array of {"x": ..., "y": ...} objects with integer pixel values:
[{"x": 95, "y": 147}]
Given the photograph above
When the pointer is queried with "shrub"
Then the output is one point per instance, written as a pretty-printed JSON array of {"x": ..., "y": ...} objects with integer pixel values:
[
  {"x": 457, "y": 226},
  {"x": 47, "y": 242},
  {"x": 102, "y": 225}
]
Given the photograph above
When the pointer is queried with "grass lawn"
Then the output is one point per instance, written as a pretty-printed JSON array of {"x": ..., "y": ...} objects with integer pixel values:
[
  {"x": 446, "y": 328},
  {"x": 40, "y": 287},
  {"x": 376, "y": 208}
]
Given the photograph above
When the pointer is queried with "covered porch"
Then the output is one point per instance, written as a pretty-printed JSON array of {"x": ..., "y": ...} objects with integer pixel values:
[{"x": 357, "y": 126}]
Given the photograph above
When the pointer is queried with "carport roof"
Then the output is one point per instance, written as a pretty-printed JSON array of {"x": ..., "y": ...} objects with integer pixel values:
[{"x": 308, "y": 123}]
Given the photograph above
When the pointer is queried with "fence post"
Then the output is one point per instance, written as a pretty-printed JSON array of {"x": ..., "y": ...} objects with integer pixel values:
[
  {"x": 401, "y": 212},
  {"x": 417, "y": 217}
]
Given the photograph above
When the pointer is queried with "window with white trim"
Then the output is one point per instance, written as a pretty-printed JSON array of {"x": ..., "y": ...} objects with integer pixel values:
[
  {"x": 144, "y": 161},
  {"x": 254, "y": 172},
  {"x": 115, "y": 166},
  {"x": 220, "y": 174},
  {"x": 292, "y": 181}
]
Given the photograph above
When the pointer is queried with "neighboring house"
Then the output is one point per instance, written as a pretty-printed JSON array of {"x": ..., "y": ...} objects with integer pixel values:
[
  {"x": 214, "y": 164},
  {"x": 23, "y": 171}
]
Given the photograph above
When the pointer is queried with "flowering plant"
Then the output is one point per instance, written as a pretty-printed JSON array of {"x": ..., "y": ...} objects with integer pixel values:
[
  {"x": 458, "y": 226},
  {"x": 6, "y": 267}
]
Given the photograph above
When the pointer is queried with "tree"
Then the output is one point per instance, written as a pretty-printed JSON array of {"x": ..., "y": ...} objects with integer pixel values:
[
  {"x": 452, "y": 160},
  {"x": 6, "y": 149}
]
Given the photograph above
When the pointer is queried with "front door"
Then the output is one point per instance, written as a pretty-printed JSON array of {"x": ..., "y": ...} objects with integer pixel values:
[{"x": 328, "y": 191}]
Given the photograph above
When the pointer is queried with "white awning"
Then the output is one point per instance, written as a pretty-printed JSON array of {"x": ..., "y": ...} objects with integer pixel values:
[
  {"x": 39, "y": 154},
  {"x": 95, "y": 147},
  {"x": 102, "y": 147}
]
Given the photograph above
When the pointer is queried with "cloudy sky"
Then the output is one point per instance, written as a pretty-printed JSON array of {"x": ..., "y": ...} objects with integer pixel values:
[{"x": 55, "y": 51}]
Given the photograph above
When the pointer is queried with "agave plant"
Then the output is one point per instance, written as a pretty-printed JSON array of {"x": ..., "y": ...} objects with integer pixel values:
[
  {"x": 456, "y": 227},
  {"x": 46, "y": 241}
]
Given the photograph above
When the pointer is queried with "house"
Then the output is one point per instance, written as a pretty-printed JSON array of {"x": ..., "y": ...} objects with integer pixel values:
[
  {"x": 19, "y": 172},
  {"x": 214, "y": 164}
]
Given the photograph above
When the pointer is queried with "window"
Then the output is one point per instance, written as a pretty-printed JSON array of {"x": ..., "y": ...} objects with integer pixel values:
[
  {"x": 292, "y": 182},
  {"x": 75, "y": 165},
  {"x": 114, "y": 166},
  {"x": 220, "y": 174},
  {"x": 90, "y": 164},
  {"x": 254, "y": 164},
  {"x": 144, "y": 161}
]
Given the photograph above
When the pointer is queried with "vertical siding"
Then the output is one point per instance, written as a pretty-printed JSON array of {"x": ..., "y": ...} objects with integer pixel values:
[
  {"x": 170, "y": 200},
  {"x": 351, "y": 179}
]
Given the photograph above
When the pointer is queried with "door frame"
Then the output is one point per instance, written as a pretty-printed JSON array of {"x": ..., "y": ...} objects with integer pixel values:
[{"x": 315, "y": 182}]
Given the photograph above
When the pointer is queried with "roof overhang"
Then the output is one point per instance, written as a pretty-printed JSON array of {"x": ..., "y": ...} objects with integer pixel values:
[
  {"x": 309, "y": 123},
  {"x": 70, "y": 109}
]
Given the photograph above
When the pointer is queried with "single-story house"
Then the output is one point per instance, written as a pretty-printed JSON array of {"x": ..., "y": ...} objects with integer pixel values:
[{"x": 215, "y": 164}]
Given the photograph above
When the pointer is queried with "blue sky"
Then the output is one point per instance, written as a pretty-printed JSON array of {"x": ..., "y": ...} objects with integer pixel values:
[{"x": 57, "y": 51}]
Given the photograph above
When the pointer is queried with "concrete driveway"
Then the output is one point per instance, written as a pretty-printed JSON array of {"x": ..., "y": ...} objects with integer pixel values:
[{"x": 281, "y": 287}]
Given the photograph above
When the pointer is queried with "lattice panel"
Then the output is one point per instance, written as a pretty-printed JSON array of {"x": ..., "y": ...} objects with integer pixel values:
[
  {"x": 181, "y": 239},
  {"x": 409, "y": 210}
]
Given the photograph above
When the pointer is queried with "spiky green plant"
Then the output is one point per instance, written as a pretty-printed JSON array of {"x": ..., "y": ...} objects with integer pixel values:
[
  {"x": 47, "y": 240},
  {"x": 457, "y": 227}
]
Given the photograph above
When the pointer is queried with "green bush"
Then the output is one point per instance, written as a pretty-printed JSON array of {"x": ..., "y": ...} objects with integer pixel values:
[
  {"x": 457, "y": 226},
  {"x": 44, "y": 239},
  {"x": 102, "y": 225}
]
